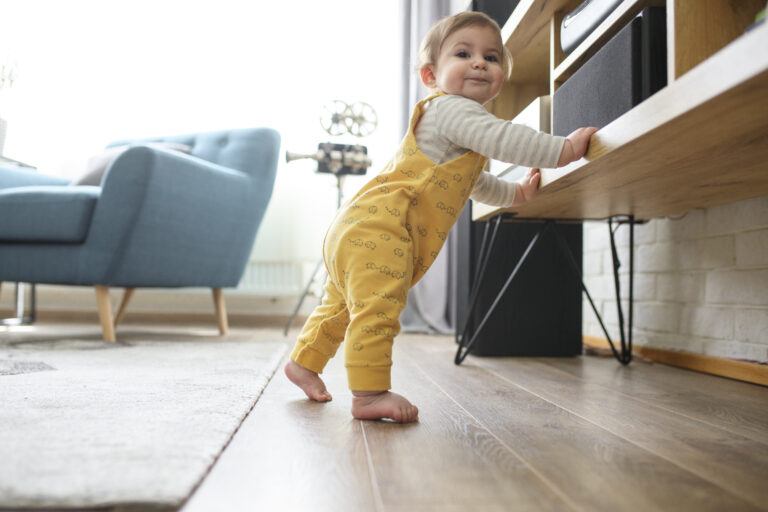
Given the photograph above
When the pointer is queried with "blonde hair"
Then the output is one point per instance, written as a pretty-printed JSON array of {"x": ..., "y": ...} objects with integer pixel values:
[{"x": 442, "y": 30}]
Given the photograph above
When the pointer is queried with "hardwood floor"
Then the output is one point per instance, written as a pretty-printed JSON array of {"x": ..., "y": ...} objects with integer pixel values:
[{"x": 500, "y": 434}]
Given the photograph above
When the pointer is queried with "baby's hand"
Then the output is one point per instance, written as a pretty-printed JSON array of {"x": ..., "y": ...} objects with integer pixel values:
[
  {"x": 527, "y": 187},
  {"x": 576, "y": 145}
]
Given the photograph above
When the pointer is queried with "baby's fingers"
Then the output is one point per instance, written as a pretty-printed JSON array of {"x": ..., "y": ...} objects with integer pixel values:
[{"x": 586, "y": 132}]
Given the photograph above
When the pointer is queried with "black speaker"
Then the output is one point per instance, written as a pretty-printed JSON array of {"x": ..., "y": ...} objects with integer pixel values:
[
  {"x": 624, "y": 72},
  {"x": 540, "y": 314},
  {"x": 580, "y": 22}
]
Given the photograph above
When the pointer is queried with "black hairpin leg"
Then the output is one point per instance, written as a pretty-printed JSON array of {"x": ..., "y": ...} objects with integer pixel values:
[
  {"x": 482, "y": 259},
  {"x": 625, "y": 355},
  {"x": 464, "y": 345},
  {"x": 626, "y": 336}
]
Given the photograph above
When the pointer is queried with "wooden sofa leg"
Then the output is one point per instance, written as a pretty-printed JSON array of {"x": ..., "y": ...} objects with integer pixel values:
[
  {"x": 123, "y": 305},
  {"x": 105, "y": 313},
  {"x": 221, "y": 311}
]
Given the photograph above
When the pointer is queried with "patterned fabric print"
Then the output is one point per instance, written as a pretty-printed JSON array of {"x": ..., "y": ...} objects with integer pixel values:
[
  {"x": 323, "y": 331},
  {"x": 374, "y": 258},
  {"x": 384, "y": 240}
]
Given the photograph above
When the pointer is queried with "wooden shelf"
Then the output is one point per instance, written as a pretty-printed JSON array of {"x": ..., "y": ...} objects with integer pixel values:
[
  {"x": 699, "y": 142},
  {"x": 531, "y": 65},
  {"x": 697, "y": 29},
  {"x": 527, "y": 37},
  {"x": 528, "y": 19}
]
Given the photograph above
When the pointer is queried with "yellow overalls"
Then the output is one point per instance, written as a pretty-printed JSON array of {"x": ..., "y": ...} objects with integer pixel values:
[{"x": 380, "y": 244}]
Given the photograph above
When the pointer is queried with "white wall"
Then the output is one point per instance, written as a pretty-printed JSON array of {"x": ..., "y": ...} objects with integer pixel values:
[{"x": 701, "y": 281}]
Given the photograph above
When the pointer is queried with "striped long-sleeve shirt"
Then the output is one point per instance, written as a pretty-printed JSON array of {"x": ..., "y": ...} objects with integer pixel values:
[{"x": 453, "y": 125}]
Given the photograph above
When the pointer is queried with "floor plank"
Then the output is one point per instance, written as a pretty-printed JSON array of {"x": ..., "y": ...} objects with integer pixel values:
[
  {"x": 500, "y": 434},
  {"x": 728, "y": 460},
  {"x": 448, "y": 461},
  {"x": 445, "y": 462},
  {"x": 291, "y": 454},
  {"x": 738, "y": 407},
  {"x": 595, "y": 468}
]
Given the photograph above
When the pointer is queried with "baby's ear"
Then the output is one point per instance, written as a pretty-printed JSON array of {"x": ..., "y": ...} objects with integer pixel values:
[{"x": 427, "y": 74}]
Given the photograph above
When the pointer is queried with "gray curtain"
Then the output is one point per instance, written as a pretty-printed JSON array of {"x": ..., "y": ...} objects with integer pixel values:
[{"x": 430, "y": 306}]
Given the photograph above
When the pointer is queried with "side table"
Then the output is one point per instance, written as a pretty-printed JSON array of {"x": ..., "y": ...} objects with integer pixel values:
[{"x": 19, "y": 299}]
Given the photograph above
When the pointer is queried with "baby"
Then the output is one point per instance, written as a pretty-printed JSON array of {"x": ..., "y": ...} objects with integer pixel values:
[{"x": 384, "y": 239}]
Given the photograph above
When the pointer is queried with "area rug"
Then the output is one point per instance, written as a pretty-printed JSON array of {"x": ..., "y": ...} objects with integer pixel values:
[{"x": 134, "y": 424}]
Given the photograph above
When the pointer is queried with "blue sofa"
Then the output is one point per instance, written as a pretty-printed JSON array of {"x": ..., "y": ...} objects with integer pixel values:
[{"x": 159, "y": 219}]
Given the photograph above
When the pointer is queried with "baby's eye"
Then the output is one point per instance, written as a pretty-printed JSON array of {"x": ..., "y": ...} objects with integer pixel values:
[
  {"x": 462, "y": 53},
  {"x": 492, "y": 58}
]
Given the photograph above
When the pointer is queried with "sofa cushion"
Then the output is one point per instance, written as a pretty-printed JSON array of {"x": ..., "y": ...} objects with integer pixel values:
[
  {"x": 98, "y": 164},
  {"x": 21, "y": 177},
  {"x": 46, "y": 213}
]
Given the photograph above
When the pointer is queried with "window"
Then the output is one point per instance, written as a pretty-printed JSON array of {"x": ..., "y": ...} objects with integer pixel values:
[{"x": 90, "y": 72}]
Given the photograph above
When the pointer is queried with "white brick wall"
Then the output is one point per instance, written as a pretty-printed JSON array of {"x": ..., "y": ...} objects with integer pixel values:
[{"x": 701, "y": 281}]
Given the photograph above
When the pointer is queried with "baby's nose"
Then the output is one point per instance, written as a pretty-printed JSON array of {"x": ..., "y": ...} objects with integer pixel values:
[{"x": 479, "y": 64}]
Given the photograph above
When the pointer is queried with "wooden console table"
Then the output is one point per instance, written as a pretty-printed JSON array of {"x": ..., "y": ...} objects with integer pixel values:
[{"x": 700, "y": 142}]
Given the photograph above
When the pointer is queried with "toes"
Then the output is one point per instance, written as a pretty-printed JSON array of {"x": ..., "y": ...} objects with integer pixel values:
[
  {"x": 321, "y": 396},
  {"x": 405, "y": 414}
]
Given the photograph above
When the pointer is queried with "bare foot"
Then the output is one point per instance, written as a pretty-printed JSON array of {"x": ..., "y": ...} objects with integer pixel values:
[
  {"x": 376, "y": 405},
  {"x": 308, "y": 381}
]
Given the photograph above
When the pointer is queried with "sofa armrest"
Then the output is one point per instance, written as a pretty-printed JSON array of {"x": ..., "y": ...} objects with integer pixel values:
[
  {"x": 169, "y": 219},
  {"x": 11, "y": 177}
]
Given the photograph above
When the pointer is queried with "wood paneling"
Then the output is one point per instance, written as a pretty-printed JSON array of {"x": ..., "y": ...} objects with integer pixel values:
[{"x": 699, "y": 28}]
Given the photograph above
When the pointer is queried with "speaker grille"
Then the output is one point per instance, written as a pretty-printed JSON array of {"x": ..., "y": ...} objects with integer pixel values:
[{"x": 624, "y": 72}]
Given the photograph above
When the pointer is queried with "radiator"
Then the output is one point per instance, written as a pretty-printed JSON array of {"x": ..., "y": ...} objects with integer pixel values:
[{"x": 273, "y": 278}]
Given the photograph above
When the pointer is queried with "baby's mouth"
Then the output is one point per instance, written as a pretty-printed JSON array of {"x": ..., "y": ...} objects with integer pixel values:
[{"x": 477, "y": 79}]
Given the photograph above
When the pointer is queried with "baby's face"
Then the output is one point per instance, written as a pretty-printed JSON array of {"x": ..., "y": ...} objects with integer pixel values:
[{"x": 469, "y": 64}]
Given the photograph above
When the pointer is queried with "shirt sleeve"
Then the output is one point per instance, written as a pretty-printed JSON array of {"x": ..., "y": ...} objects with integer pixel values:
[
  {"x": 467, "y": 124},
  {"x": 492, "y": 191}
]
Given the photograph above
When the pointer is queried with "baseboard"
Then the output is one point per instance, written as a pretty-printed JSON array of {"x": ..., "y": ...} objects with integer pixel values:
[
  {"x": 754, "y": 373},
  {"x": 62, "y": 301},
  {"x": 235, "y": 320},
  {"x": 77, "y": 304}
]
